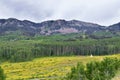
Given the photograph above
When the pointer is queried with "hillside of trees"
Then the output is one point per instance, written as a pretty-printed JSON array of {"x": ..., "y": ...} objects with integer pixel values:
[{"x": 24, "y": 50}]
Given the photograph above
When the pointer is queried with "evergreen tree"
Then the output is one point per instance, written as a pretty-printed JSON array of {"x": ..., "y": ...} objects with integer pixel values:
[{"x": 2, "y": 75}]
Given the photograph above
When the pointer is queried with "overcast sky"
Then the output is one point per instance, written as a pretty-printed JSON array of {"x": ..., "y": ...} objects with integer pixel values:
[{"x": 104, "y": 12}]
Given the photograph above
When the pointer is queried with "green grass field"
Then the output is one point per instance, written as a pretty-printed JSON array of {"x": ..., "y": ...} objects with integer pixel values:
[{"x": 47, "y": 68}]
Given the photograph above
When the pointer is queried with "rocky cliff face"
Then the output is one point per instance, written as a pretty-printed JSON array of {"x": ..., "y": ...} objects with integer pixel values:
[
  {"x": 52, "y": 27},
  {"x": 73, "y": 26}
]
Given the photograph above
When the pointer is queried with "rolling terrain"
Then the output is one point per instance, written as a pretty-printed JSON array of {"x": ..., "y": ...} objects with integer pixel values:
[
  {"x": 49, "y": 49},
  {"x": 46, "y": 68}
]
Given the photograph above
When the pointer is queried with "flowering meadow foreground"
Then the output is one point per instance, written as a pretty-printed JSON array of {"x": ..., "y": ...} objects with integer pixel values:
[{"x": 47, "y": 68}]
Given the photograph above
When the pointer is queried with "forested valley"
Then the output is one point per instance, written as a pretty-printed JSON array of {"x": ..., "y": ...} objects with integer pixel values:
[
  {"x": 51, "y": 49},
  {"x": 68, "y": 48},
  {"x": 25, "y": 50}
]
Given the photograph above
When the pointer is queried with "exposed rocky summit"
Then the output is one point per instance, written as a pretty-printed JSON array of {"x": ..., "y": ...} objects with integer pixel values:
[{"x": 52, "y": 27}]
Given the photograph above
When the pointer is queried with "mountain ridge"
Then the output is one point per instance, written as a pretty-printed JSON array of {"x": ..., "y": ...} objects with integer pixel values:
[{"x": 50, "y": 27}]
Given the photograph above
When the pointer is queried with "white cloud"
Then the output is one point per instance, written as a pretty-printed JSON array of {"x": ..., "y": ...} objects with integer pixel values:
[{"x": 104, "y": 12}]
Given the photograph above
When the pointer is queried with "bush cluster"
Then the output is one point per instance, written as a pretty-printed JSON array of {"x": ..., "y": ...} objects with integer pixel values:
[{"x": 104, "y": 70}]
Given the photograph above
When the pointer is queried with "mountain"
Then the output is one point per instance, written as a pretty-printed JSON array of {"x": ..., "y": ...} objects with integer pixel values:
[
  {"x": 73, "y": 26},
  {"x": 115, "y": 27},
  {"x": 28, "y": 28},
  {"x": 11, "y": 25}
]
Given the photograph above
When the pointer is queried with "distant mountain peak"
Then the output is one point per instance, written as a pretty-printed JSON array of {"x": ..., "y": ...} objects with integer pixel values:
[
  {"x": 11, "y": 19},
  {"x": 50, "y": 27}
]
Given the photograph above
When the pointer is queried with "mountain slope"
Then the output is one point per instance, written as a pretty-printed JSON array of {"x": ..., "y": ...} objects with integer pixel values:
[{"x": 28, "y": 28}]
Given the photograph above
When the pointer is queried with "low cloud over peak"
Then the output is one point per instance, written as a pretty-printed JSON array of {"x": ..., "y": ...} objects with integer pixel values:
[{"x": 104, "y": 12}]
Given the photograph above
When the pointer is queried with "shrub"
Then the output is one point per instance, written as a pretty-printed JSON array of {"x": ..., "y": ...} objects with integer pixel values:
[{"x": 104, "y": 70}]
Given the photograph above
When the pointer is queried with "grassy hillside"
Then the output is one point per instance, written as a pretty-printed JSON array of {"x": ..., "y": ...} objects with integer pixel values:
[
  {"x": 47, "y": 68},
  {"x": 39, "y": 52}
]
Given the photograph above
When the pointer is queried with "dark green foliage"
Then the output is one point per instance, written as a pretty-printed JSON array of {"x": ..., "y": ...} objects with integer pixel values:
[
  {"x": 21, "y": 55},
  {"x": 25, "y": 50},
  {"x": 77, "y": 73},
  {"x": 104, "y": 70},
  {"x": 2, "y": 75}
]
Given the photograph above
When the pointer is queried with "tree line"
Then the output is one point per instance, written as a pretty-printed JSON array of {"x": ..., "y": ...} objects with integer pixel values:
[{"x": 27, "y": 50}]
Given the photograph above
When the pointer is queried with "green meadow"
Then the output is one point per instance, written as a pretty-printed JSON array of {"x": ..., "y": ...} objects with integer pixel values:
[{"x": 47, "y": 68}]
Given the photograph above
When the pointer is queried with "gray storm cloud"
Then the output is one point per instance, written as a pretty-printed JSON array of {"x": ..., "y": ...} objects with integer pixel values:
[{"x": 104, "y": 12}]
